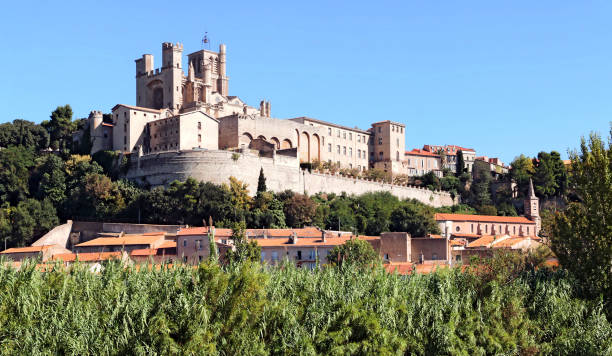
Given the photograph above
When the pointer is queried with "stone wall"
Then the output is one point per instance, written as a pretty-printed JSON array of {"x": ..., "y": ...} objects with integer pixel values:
[{"x": 282, "y": 173}]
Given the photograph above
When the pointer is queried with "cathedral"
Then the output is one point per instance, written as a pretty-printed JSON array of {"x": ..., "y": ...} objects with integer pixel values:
[{"x": 178, "y": 112}]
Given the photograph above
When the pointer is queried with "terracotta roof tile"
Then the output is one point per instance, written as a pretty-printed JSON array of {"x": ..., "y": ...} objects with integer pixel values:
[
  {"x": 26, "y": 249},
  {"x": 87, "y": 257},
  {"x": 483, "y": 218},
  {"x": 167, "y": 244},
  {"x": 420, "y": 152},
  {"x": 203, "y": 231},
  {"x": 123, "y": 240},
  {"x": 144, "y": 252}
]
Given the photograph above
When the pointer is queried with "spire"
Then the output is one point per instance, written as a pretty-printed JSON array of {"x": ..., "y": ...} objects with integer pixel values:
[
  {"x": 531, "y": 191},
  {"x": 191, "y": 74}
]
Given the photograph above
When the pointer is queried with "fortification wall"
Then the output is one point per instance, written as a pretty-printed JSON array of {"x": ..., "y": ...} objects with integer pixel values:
[{"x": 282, "y": 173}]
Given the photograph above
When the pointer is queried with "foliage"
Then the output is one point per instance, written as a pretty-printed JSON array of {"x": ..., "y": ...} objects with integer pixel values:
[
  {"x": 377, "y": 175},
  {"x": 23, "y": 133},
  {"x": 60, "y": 127},
  {"x": 261, "y": 182},
  {"x": 354, "y": 253},
  {"x": 460, "y": 163},
  {"x": 244, "y": 250},
  {"x": 521, "y": 171},
  {"x": 550, "y": 176},
  {"x": 246, "y": 310},
  {"x": 299, "y": 210},
  {"x": 15, "y": 164},
  {"x": 415, "y": 218},
  {"x": 582, "y": 234}
]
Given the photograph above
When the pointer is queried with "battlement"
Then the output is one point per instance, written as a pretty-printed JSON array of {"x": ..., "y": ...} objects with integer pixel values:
[
  {"x": 95, "y": 113},
  {"x": 169, "y": 45}
]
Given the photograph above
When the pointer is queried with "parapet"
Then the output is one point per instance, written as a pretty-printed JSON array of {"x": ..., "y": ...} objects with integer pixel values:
[
  {"x": 95, "y": 113},
  {"x": 169, "y": 45}
]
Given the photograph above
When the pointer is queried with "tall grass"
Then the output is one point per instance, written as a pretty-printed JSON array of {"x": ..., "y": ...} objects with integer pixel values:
[{"x": 250, "y": 309}]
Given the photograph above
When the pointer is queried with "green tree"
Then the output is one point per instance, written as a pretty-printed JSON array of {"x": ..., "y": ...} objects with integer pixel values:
[
  {"x": 23, "y": 133},
  {"x": 550, "y": 177},
  {"x": 481, "y": 186},
  {"x": 49, "y": 180},
  {"x": 414, "y": 218},
  {"x": 582, "y": 234},
  {"x": 30, "y": 219},
  {"x": 261, "y": 182},
  {"x": 15, "y": 165},
  {"x": 460, "y": 163},
  {"x": 239, "y": 193},
  {"x": 244, "y": 250},
  {"x": 521, "y": 171},
  {"x": 299, "y": 210},
  {"x": 353, "y": 253},
  {"x": 60, "y": 127}
]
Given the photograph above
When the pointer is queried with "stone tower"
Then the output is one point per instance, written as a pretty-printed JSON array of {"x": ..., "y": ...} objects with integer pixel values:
[
  {"x": 532, "y": 207},
  {"x": 95, "y": 131},
  {"x": 161, "y": 87}
]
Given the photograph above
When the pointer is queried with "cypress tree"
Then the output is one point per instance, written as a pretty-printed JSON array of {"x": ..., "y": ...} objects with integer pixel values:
[
  {"x": 261, "y": 182},
  {"x": 460, "y": 163}
]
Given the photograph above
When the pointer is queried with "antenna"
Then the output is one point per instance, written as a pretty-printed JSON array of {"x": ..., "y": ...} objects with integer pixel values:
[{"x": 205, "y": 41}]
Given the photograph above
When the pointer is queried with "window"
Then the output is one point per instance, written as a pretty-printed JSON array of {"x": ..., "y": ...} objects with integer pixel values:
[
  {"x": 199, "y": 138},
  {"x": 350, "y": 152},
  {"x": 380, "y": 140},
  {"x": 274, "y": 256},
  {"x": 338, "y": 148},
  {"x": 338, "y": 133},
  {"x": 350, "y": 136},
  {"x": 472, "y": 228},
  {"x": 199, "y": 125},
  {"x": 329, "y": 147},
  {"x": 185, "y": 259},
  {"x": 329, "y": 131},
  {"x": 184, "y": 243},
  {"x": 344, "y": 135},
  {"x": 386, "y": 257},
  {"x": 380, "y": 154},
  {"x": 397, "y": 142},
  {"x": 379, "y": 129},
  {"x": 263, "y": 256},
  {"x": 392, "y": 128},
  {"x": 350, "y": 166},
  {"x": 397, "y": 156},
  {"x": 358, "y": 153},
  {"x": 358, "y": 138},
  {"x": 299, "y": 255},
  {"x": 434, "y": 256},
  {"x": 486, "y": 229},
  {"x": 458, "y": 258},
  {"x": 514, "y": 230},
  {"x": 458, "y": 228},
  {"x": 125, "y": 140},
  {"x": 344, "y": 150}
]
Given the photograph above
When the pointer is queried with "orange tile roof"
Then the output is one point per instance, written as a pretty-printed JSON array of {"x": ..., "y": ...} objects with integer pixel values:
[
  {"x": 144, "y": 252},
  {"x": 483, "y": 218},
  {"x": 155, "y": 233},
  {"x": 420, "y": 152},
  {"x": 167, "y": 244},
  {"x": 203, "y": 230},
  {"x": 123, "y": 240},
  {"x": 86, "y": 257},
  {"x": 432, "y": 236},
  {"x": 465, "y": 235},
  {"x": 26, "y": 249},
  {"x": 303, "y": 241},
  {"x": 484, "y": 241}
]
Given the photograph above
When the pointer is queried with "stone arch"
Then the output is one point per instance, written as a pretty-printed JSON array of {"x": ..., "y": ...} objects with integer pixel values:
[
  {"x": 315, "y": 148},
  {"x": 262, "y": 137},
  {"x": 276, "y": 142},
  {"x": 245, "y": 139},
  {"x": 304, "y": 147},
  {"x": 286, "y": 144}
]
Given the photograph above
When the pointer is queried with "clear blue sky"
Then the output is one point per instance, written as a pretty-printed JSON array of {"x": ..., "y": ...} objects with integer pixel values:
[{"x": 502, "y": 77}]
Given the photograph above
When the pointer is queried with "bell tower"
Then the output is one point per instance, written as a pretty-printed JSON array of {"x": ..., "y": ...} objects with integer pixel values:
[{"x": 532, "y": 207}]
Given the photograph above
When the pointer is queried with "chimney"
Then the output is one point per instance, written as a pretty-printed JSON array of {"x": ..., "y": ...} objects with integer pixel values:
[
  {"x": 262, "y": 111},
  {"x": 294, "y": 239},
  {"x": 323, "y": 236},
  {"x": 265, "y": 234}
]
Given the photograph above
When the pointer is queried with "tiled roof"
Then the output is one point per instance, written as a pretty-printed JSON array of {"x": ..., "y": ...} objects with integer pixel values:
[
  {"x": 302, "y": 118},
  {"x": 123, "y": 240},
  {"x": 144, "y": 252},
  {"x": 25, "y": 249},
  {"x": 86, "y": 257},
  {"x": 304, "y": 241},
  {"x": 483, "y": 218},
  {"x": 466, "y": 235},
  {"x": 420, "y": 152},
  {"x": 484, "y": 241},
  {"x": 137, "y": 108},
  {"x": 167, "y": 244},
  {"x": 203, "y": 231}
]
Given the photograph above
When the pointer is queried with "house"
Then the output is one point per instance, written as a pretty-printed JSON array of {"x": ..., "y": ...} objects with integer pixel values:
[{"x": 44, "y": 252}]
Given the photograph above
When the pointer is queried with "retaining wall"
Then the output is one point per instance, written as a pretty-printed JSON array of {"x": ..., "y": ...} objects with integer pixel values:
[{"x": 282, "y": 173}]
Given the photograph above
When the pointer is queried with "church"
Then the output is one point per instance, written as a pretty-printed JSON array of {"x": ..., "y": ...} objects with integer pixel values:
[{"x": 178, "y": 112}]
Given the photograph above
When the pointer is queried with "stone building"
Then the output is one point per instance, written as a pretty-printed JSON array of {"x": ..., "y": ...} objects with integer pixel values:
[
  {"x": 176, "y": 112},
  {"x": 450, "y": 153}
]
